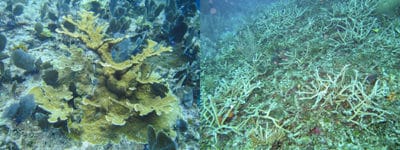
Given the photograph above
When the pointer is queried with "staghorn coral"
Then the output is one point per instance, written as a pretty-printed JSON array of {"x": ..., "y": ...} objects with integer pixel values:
[
  {"x": 321, "y": 101},
  {"x": 349, "y": 96},
  {"x": 112, "y": 100}
]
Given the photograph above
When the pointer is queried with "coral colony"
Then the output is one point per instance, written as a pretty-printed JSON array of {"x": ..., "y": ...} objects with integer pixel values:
[
  {"x": 127, "y": 97},
  {"x": 99, "y": 74},
  {"x": 303, "y": 75}
]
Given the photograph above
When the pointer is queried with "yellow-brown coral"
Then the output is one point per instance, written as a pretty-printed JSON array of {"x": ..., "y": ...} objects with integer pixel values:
[
  {"x": 54, "y": 101},
  {"x": 126, "y": 97}
]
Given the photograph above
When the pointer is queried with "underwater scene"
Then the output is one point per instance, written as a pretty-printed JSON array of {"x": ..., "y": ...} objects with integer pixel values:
[
  {"x": 199, "y": 74},
  {"x": 300, "y": 74},
  {"x": 99, "y": 74}
]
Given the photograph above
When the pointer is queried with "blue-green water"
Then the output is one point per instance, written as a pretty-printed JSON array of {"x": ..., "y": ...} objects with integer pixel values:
[{"x": 301, "y": 75}]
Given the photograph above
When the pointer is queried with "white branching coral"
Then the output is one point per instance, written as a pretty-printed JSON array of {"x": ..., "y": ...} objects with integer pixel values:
[{"x": 347, "y": 95}]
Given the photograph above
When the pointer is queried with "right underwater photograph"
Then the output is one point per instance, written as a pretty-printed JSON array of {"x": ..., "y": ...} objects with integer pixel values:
[{"x": 309, "y": 74}]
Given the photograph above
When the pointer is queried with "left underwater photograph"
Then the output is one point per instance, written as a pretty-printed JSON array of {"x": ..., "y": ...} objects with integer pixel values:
[{"x": 99, "y": 74}]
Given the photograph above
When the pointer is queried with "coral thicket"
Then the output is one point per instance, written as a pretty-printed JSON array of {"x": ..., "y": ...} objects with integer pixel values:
[{"x": 303, "y": 75}]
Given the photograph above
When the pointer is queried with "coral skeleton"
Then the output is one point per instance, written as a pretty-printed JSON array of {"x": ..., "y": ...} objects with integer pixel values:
[{"x": 348, "y": 95}]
